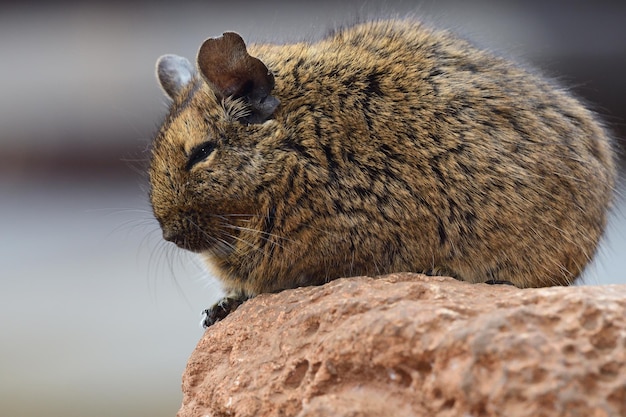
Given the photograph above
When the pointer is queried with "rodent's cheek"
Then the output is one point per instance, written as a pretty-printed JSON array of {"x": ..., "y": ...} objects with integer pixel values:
[{"x": 209, "y": 189}]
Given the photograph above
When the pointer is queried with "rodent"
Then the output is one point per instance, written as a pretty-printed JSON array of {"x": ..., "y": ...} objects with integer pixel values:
[{"x": 387, "y": 146}]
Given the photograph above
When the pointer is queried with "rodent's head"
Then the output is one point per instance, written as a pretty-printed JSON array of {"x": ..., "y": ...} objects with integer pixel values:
[{"x": 214, "y": 153}]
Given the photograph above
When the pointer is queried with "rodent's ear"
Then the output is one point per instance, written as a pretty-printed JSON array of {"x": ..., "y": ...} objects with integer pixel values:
[
  {"x": 174, "y": 73},
  {"x": 225, "y": 64}
]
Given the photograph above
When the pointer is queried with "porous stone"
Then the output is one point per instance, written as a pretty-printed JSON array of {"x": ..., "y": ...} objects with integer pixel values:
[{"x": 412, "y": 345}]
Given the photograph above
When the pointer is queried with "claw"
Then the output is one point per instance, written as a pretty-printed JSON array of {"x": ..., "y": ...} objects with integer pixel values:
[{"x": 220, "y": 310}]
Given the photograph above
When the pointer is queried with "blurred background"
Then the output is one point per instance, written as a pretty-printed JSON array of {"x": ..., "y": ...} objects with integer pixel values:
[{"x": 97, "y": 314}]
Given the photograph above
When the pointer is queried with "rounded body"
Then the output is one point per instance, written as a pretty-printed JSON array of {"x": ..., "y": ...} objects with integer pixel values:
[{"x": 395, "y": 147}]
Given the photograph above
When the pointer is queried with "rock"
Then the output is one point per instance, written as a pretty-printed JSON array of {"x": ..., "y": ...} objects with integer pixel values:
[{"x": 412, "y": 345}]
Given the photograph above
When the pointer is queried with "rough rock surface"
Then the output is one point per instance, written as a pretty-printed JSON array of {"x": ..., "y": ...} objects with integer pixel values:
[{"x": 411, "y": 345}]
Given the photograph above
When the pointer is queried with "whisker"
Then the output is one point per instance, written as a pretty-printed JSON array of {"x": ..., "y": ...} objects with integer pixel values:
[
  {"x": 251, "y": 245},
  {"x": 264, "y": 235},
  {"x": 225, "y": 244},
  {"x": 263, "y": 216}
]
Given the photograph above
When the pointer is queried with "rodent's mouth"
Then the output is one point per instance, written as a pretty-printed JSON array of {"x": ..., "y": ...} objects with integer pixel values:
[
  {"x": 196, "y": 244},
  {"x": 184, "y": 240},
  {"x": 192, "y": 247}
]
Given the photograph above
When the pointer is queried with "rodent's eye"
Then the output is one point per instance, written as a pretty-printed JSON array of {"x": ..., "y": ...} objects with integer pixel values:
[{"x": 199, "y": 153}]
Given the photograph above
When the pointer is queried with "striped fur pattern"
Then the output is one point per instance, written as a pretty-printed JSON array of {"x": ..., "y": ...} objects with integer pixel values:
[{"x": 396, "y": 147}]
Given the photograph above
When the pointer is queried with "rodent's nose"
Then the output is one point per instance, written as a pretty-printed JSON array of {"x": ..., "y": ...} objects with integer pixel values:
[{"x": 174, "y": 236}]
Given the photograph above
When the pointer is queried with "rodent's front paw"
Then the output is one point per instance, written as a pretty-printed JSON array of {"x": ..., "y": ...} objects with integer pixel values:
[{"x": 220, "y": 310}]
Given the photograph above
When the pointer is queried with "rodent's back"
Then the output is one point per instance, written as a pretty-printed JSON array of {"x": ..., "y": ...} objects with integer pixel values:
[
  {"x": 401, "y": 148},
  {"x": 504, "y": 174}
]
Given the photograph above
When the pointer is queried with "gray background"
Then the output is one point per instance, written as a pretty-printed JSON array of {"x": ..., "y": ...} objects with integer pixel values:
[{"x": 97, "y": 314}]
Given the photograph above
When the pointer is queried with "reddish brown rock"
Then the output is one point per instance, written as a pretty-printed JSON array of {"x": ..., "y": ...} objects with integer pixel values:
[{"x": 411, "y": 345}]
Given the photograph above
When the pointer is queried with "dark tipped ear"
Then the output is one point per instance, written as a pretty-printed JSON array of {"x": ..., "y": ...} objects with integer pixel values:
[
  {"x": 174, "y": 73},
  {"x": 225, "y": 64}
]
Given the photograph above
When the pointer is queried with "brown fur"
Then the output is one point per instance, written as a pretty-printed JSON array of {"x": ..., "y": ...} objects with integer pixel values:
[{"x": 395, "y": 148}]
